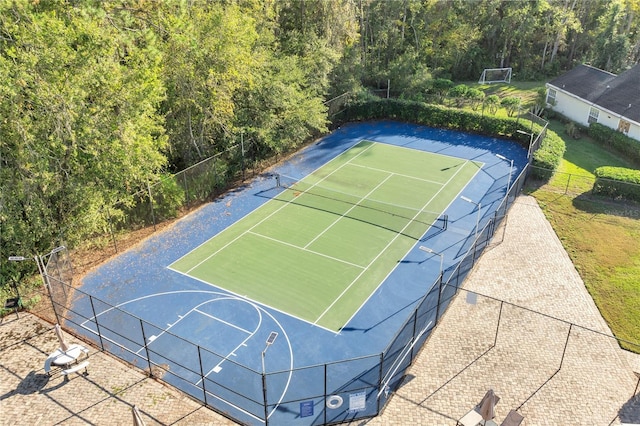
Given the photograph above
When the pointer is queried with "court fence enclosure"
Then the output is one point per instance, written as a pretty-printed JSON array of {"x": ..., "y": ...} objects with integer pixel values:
[{"x": 329, "y": 393}]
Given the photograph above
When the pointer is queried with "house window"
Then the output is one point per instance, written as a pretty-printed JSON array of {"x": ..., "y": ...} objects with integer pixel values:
[
  {"x": 624, "y": 126},
  {"x": 551, "y": 97},
  {"x": 593, "y": 115}
]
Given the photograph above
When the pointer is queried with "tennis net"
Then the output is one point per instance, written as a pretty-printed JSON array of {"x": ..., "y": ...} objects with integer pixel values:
[{"x": 408, "y": 221}]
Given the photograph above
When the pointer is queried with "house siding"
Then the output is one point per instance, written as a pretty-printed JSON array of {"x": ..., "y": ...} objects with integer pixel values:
[
  {"x": 615, "y": 97},
  {"x": 577, "y": 110}
]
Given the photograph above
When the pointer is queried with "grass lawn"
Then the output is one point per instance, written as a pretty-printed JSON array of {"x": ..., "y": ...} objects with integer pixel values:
[{"x": 602, "y": 237}]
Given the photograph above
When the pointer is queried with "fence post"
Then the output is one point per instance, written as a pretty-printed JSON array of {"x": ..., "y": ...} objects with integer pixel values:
[
  {"x": 113, "y": 236},
  {"x": 439, "y": 297},
  {"x": 324, "y": 398},
  {"x": 215, "y": 176},
  {"x": 264, "y": 397},
  {"x": 242, "y": 153},
  {"x": 186, "y": 186},
  {"x": 379, "y": 384},
  {"x": 415, "y": 324},
  {"x": 566, "y": 188},
  {"x": 153, "y": 216},
  {"x": 146, "y": 349},
  {"x": 204, "y": 389},
  {"x": 93, "y": 309}
]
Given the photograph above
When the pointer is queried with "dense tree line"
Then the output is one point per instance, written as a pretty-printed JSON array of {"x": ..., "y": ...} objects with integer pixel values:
[{"x": 99, "y": 98}]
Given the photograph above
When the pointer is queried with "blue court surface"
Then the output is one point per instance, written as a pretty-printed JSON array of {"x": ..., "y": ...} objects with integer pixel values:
[{"x": 232, "y": 331}]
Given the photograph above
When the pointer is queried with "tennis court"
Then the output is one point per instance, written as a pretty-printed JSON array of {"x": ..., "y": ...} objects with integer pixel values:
[
  {"x": 321, "y": 245},
  {"x": 302, "y": 296}
]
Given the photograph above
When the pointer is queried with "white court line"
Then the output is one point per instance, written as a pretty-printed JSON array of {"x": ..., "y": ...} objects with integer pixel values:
[
  {"x": 305, "y": 249},
  {"x": 418, "y": 242},
  {"x": 342, "y": 216},
  {"x": 265, "y": 305},
  {"x": 218, "y": 366},
  {"x": 273, "y": 213},
  {"x": 221, "y": 320},
  {"x": 389, "y": 244},
  {"x": 375, "y": 169},
  {"x": 399, "y": 360},
  {"x": 226, "y": 296},
  {"x": 151, "y": 339}
]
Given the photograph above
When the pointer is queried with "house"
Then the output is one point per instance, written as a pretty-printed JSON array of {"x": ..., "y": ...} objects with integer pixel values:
[{"x": 589, "y": 95}]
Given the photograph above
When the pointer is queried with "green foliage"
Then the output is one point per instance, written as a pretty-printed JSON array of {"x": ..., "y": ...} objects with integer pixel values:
[
  {"x": 617, "y": 182},
  {"x": 440, "y": 87},
  {"x": 511, "y": 104},
  {"x": 547, "y": 158},
  {"x": 459, "y": 91},
  {"x": 80, "y": 124},
  {"x": 475, "y": 97},
  {"x": 168, "y": 198},
  {"x": 428, "y": 114},
  {"x": 100, "y": 99},
  {"x": 616, "y": 141},
  {"x": 492, "y": 102}
]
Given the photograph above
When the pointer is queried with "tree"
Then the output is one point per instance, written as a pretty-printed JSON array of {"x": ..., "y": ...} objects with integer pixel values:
[
  {"x": 210, "y": 55},
  {"x": 612, "y": 45},
  {"x": 80, "y": 126},
  {"x": 475, "y": 97},
  {"x": 511, "y": 104},
  {"x": 459, "y": 93},
  {"x": 492, "y": 102}
]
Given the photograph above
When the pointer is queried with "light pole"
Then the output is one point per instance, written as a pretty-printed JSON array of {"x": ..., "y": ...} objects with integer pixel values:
[
  {"x": 15, "y": 303},
  {"x": 428, "y": 250},
  {"x": 37, "y": 260},
  {"x": 479, "y": 206},
  {"x": 42, "y": 269},
  {"x": 522, "y": 132},
  {"x": 270, "y": 340},
  {"x": 502, "y": 157}
]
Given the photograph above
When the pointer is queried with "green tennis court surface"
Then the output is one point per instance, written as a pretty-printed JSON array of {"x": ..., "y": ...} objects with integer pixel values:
[{"x": 322, "y": 245}]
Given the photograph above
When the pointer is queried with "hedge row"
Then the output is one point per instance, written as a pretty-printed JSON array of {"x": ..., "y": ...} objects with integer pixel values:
[
  {"x": 617, "y": 182},
  {"x": 618, "y": 142},
  {"x": 547, "y": 157},
  {"x": 427, "y": 114}
]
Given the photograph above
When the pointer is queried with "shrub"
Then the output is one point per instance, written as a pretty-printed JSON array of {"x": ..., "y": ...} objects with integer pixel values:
[
  {"x": 458, "y": 93},
  {"x": 475, "y": 97},
  {"x": 618, "y": 142},
  {"x": 492, "y": 102},
  {"x": 169, "y": 197},
  {"x": 547, "y": 158},
  {"x": 617, "y": 182},
  {"x": 511, "y": 104},
  {"x": 572, "y": 130}
]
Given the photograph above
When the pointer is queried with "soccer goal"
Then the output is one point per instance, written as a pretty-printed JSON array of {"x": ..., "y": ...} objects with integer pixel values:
[{"x": 495, "y": 75}]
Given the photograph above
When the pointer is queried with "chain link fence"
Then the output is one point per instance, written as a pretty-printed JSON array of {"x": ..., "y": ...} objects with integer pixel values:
[{"x": 369, "y": 380}]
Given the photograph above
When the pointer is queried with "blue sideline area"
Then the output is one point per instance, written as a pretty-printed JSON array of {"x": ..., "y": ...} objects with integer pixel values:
[{"x": 232, "y": 332}]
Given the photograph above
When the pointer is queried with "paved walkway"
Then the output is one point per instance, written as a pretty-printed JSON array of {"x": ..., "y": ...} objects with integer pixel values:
[
  {"x": 553, "y": 372},
  {"x": 519, "y": 352}
]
